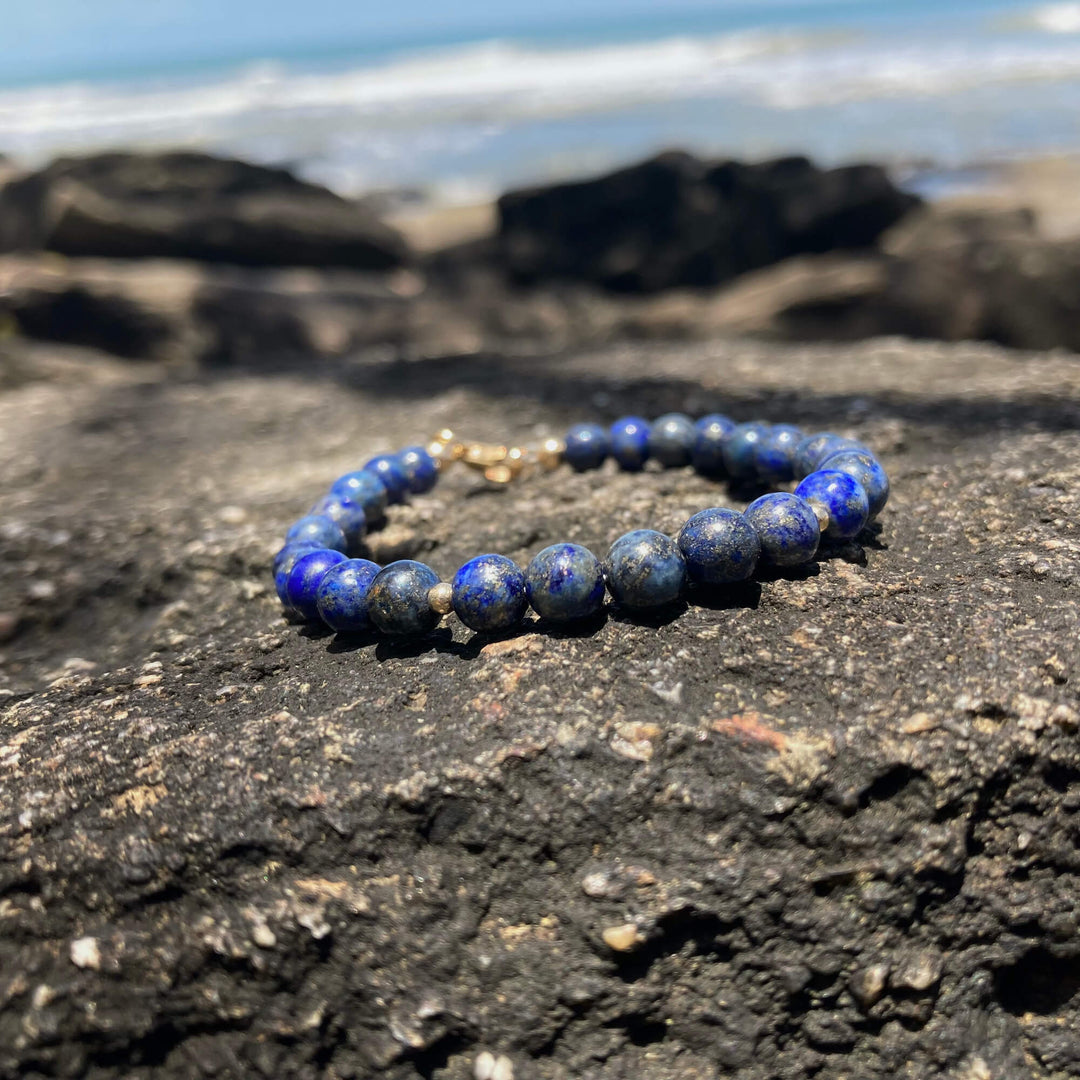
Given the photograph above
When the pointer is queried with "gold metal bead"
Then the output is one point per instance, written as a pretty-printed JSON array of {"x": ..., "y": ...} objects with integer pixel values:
[
  {"x": 550, "y": 454},
  {"x": 440, "y": 598}
]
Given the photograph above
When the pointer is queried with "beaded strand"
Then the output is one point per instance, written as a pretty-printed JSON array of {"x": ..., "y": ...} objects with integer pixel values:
[{"x": 841, "y": 487}]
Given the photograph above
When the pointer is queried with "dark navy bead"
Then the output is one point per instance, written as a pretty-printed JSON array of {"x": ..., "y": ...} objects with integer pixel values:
[
  {"x": 630, "y": 443},
  {"x": 421, "y": 472},
  {"x": 787, "y": 528},
  {"x": 388, "y": 469},
  {"x": 302, "y": 585},
  {"x": 740, "y": 450},
  {"x": 366, "y": 490},
  {"x": 774, "y": 455},
  {"x": 348, "y": 514},
  {"x": 645, "y": 569},
  {"x": 707, "y": 455},
  {"x": 865, "y": 468},
  {"x": 671, "y": 440},
  {"x": 398, "y": 598},
  {"x": 489, "y": 593},
  {"x": 565, "y": 582},
  {"x": 719, "y": 546},
  {"x": 843, "y": 496},
  {"x": 587, "y": 447},
  {"x": 317, "y": 529},
  {"x": 284, "y": 561},
  {"x": 814, "y": 449},
  {"x": 341, "y": 598}
]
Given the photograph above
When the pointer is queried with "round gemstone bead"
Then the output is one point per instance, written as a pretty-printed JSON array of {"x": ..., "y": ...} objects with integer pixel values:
[
  {"x": 587, "y": 447},
  {"x": 348, "y": 514},
  {"x": 489, "y": 593},
  {"x": 284, "y": 561},
  {"x": 421, "y": 472},
  {"x": 305, "y": 577},
  {"x": 398, "y": 598},
  {"x": 645, "y": 569},
  {"x": 774, "y": 455},
  {"x": 630, "y": 443},
  {"x": 388, "y": 469},
  {"x": 865, "y": 468},
  {"x": 366, "y": 490},
  {"x": 707, "y": 455},
  {"x": 843, "y": 496},
  {"x": 319, "y": 530},
  {"x": 787, "y": 528},
  {"x": 814, "y": 449},
  {"x": 671, "y": 440},
  {"x": 565, "y": 582},
  {"x": 719, "y": 546},
  {"x": 341, "y": 598},
  {"x": 740, "y": 450}
]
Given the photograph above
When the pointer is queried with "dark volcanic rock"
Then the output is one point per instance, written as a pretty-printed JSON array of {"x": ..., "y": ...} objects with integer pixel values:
[{"x": 676, "y": 220}]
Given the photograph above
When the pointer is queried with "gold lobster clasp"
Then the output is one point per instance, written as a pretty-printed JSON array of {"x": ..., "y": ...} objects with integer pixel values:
[{"x": 498, "y": 464}]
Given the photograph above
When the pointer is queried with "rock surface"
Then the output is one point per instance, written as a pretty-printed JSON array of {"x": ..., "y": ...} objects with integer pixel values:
[{"x": 824, "y": 826}]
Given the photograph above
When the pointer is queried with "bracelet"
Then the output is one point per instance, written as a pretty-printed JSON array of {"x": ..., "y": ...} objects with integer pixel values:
[{"x": 842, "y": 486}]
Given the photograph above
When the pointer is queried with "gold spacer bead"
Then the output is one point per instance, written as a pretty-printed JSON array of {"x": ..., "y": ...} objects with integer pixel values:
[
  {"x": 822, "y": 512},
  {"x": 550, "y": 454},
  {"x": 440, "y": 598}
]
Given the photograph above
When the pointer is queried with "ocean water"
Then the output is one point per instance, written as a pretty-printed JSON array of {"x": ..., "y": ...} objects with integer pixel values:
[{"x": 462, "y": 114}]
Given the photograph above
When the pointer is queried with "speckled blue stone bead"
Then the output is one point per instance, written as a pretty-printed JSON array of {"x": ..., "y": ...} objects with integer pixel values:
[
  {"x": 671, "y": 440},
  {"x": 645, "y": 569},
  {"x": 843, "y": 496},
  {"x": 341, "y": 598},
  {"x": 774, "y": 455},
  {"x": 349, "y": 515},
  {"x": 630, "y": 443},
  {"x": 388, "y": 469},
  {"x": 707, "y": 455},
  {"x": 787, "y": 528},
  {"x": 565, "y": 582},
  {"x": 489, "y": 593},
  {"x": 814, "y": 449},
  {"x": 421, "y": 472},
  {"x": 302, "y": 585},
  {"x": 398, "y": 598},
  {"x": 284, "y": 561},
  {"x": 719, "y": 546},
  {"x": 317, "y": 529},
  {"x": 865, "y": 468},
  {"x": 740, "y": 450},
  {"x": 366, "y": 490},
  {"x": 587, "y": 447}
]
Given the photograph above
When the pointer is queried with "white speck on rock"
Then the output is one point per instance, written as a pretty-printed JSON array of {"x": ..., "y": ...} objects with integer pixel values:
[
  {"x": 484, "y": 1066},
  {"x": 85, "y": 953},
  {"x": 671, "y": 694}
]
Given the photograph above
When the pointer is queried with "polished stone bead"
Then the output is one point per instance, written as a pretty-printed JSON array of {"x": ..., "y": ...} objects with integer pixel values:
[
  {"x": 341, "y": 598},
  {"x": 587, "y": 447},
  {"x": 421, "y": 472},
  {"x": 719, "y": 546},
  {"x": 366, "y": 490},
  {"x": 645, "y": 569},
  {"x": 787, "y": 528},
  {"x": 398, "y": 598},
  {"x": 630, "y": 443},
  {"x": 302, "y": 584},
  {"x": 814, "y": 449},
  {"x": 388, "y": 469},
  {"x": 489, "y": 593},
  {"x": 565, "y": 582},
  {"x": 284, "y": 561},
  {"x": 865, "y": 468},
  {"x": 317, "y": 529},
  {"x": 774, "y": 455},
  {"x": 707, "y": 456},
  {"x": 348, "y": 514},
  {"x": 843, "y": 496},
  {"x": 740, "y": 450},
  {"x": 671, "y": 440}
]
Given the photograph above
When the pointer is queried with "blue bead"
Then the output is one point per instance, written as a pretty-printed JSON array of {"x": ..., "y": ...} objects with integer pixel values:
[
  {"x": 421, "y": 472},
  {"x": 774, "y": 456},
  {"x": 341, "y": 598},
  {"x": 317, "y": 529},
  {"x": 645, "y": 569},
  {"x": 489, "y": 593},
  {"x": 565, "y": 582},
  {"x": 719, "y": 546},
  {"x": 843, "y": 496},
  {"x": 302, "y": 585},
  {"x": 630, "y": 443},
  {"x": 740, "y": 450},
  {"x": 814, "y": 449},
  {"x": 388, "y": 469},
  {"x": 365, "y": 489},
  {"x": 348, "y": 514},
  {"x": 707, "y": 455},
  {"x": 865, "y": 468},
  {"x": 587, "y": 446},
  {"x": 398, "y": 598},
  {"x": 671, "y": 440},
  {"x": 284, "y": 561},
  {"x": 787, "y": 528}
]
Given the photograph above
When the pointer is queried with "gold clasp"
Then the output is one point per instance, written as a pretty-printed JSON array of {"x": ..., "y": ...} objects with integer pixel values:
[{"x": 498, "y": 464}]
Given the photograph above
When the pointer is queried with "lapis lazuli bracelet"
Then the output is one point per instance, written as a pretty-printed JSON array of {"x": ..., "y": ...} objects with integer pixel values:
[{"x": 841, "y": 487}]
